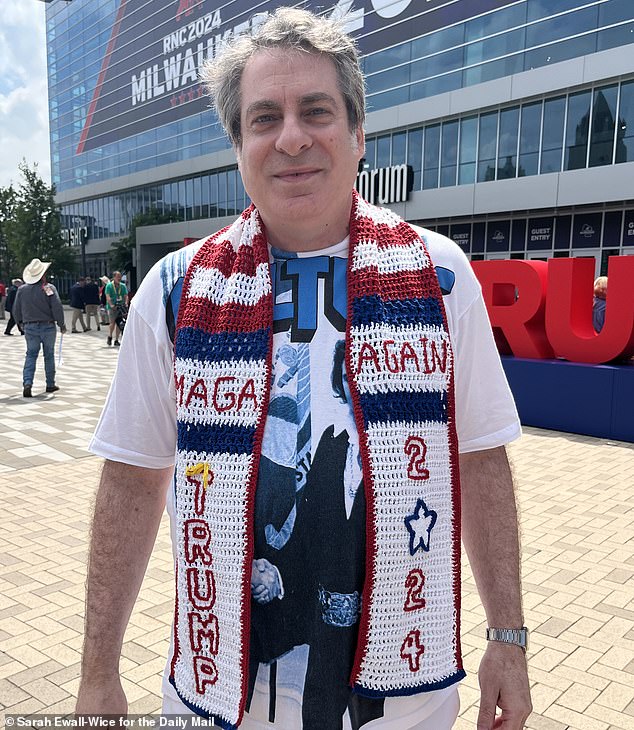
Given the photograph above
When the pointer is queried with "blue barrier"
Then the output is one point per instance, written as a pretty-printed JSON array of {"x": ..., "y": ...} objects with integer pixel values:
[{"x": 595, "y": 400}]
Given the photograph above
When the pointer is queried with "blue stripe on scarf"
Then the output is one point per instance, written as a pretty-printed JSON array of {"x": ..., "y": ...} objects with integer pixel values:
[
  {"x": 371, "y": 309},
  {"x": 215, "y": 438},
  {"x": 404, "y": 406},
  {"x": 199, "y": 345}
]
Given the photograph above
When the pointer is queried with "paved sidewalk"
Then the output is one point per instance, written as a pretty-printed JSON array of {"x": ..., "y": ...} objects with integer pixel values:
[{"x": 577, "y": 500}]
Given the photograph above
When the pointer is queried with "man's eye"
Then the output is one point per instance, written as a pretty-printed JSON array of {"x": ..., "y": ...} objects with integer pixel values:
[
  {"x": 317, "y": 111},
  {"x": 264, "y": 119}
]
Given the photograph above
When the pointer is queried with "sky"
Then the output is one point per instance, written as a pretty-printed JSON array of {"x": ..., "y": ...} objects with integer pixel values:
[{"x": 23, "y": 89}]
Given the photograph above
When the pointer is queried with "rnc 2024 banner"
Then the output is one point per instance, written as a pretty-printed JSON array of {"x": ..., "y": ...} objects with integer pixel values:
[{"x": 149, "y": 73}]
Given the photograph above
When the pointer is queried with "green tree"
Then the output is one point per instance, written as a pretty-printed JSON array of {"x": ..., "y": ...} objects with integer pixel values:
[
  {"x": 8, "y": 265},
  {"x": 34, "y": 229},
  {"x": 121, "y": 257}
]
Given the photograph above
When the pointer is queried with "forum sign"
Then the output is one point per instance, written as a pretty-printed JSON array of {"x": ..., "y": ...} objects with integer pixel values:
[
  {"x": 385, "y": 185},
  {"x": 149, "y": 71}
]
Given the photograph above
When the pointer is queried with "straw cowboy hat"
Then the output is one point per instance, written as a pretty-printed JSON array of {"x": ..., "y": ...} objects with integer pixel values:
[
  {"x": 34, "y": 271},
  {"x": 104, "y": 280}
]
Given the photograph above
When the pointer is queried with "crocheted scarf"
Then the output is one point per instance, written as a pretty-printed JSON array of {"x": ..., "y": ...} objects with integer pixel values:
[{"x": 399, "y": 362}]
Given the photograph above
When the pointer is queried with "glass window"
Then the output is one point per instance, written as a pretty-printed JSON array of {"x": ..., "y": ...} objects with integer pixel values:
[
  {"x": 468, "y": 146},
  {"x": 432, "y": 149},
  {"x": 385, "y": 99},
  {"x": 439, "y": 85},
  {"x": 222, "y": 193},
  {"x": 507, "y": 146},
  {"x": 449, "y": 154},
  {"x": 167, "y": 198},
  {"x": 603, "y": 123},
  {"x": 499, "y": 45},
  {"x": 577, "y": 130},
  {"x": 529, "y": 138},
  {"x": 518, "y": 234},
  {"x": 398, "y": 148},
  {"x": 204, "y": 196},
  {"x": 197, "y": 198},
  {"x": 487, "y": 145},
  {"x": 553, "y": 134},
  {"x": 241, "y": 193},
  {"x": 383, "y": 151},
  {"x": 415, "y": 153},
  {"x": 493, "y": 70},
  {"x": 440, "y": 40},
  {"x": 440, "y": 63},
  {"x": 387, "y": 58},
  {"x": 178, "y": 193},
  {"x": 562, "y": 26},
  {"x": 370, "y": 153},
  {"x": 387, "y": 79},
  {"x": 543, "y": 8},
  {"x": 612, "y": 227},
  {"x": 615, "y": 11},
  {"x": 625, "y": 130},
  {"x": 496, "y": 22},
  {"x": 621, "y": 35},
  {"x": 213, "y": 195},
  {"x": 562, "y": 51},
  {"x": 231, "y": 191}
]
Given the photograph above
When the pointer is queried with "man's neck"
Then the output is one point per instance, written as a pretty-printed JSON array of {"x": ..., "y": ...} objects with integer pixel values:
[{"x": 302, "y": 236}]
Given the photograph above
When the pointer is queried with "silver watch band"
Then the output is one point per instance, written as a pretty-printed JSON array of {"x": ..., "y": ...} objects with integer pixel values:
[{"x": 519, "y": 637}]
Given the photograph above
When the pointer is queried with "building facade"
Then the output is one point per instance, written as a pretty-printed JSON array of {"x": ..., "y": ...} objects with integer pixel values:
[{"x": 508, "y": 126}]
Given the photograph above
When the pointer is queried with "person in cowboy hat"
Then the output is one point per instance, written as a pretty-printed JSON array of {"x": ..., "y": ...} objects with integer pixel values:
[{"x": 37, "y": 309}]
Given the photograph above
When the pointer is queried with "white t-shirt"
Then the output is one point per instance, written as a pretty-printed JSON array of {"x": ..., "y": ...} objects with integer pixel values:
[{"x": 309, "y": 430}]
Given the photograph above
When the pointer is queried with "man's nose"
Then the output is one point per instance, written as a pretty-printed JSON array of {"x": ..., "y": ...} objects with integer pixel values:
[{"x": 293, "y": 137}]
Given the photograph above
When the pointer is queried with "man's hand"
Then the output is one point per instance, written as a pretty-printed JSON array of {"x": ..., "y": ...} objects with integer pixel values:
[
  {"x": 265, "y": 581},
  {"x": 63, "y": 329},
  {"x": 102, "y": 697},
  {"x": 503, "y": 683}
]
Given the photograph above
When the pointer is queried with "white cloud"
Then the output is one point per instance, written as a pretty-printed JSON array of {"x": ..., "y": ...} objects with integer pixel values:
[{"x": 23, "y": 90}]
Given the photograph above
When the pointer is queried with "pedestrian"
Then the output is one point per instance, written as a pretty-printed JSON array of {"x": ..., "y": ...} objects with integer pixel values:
[
  {"x": 3, "y": 298},
  {"x": 78, "y": 305},
  {"x": 103, "y": 302},
  {"x": 37, "y": 309},
  {"x": 91, "y": 299},
  {"x": 227, "y": 378},
  {"x": 599, "y": 302},
  {"x": 117, "y": 301},
  {"x": 15, "y": 285}
]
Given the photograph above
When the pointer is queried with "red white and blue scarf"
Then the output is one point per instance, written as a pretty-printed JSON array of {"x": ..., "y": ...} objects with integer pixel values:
[{"x": 399, "y": 362}]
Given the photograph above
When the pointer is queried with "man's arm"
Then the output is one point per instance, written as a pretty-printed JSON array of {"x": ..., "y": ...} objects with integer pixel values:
[
  {"x": 128, "y": 510},
  {"x": 491, "y": 539}
]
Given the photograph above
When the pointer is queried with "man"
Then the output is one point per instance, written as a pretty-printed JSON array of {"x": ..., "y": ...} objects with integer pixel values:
[
  {"x": 3, "y": 298},
  {"x": 37, "y": 309},
  {"x": 226, "y": 384},
  {"x": 116, "y": 298},
  {"x": 13, "y": 289},
  {"x": 78, "y": 305},
  {"x": 599, "y": 302},
  {"x": 91, "y": 298}
]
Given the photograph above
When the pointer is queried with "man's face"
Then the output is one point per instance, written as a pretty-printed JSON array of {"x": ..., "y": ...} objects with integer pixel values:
[
  {"x": 117, "y": 278},
  {"x": 298, "y": 158}
]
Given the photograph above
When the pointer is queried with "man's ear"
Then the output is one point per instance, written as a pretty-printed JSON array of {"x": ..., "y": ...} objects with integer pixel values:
[{"x": 360, "y": 139}]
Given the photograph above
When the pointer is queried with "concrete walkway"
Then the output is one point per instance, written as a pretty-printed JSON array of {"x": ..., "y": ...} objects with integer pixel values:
[{"x": 577, "y": 500}]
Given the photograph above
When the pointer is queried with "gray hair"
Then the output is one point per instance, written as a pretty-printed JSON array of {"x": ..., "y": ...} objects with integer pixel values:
[{"x": 293, "y": 29}]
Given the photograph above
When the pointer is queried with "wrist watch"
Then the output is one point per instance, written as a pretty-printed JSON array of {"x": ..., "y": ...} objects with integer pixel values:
[{"x": 519, "y": 637}]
